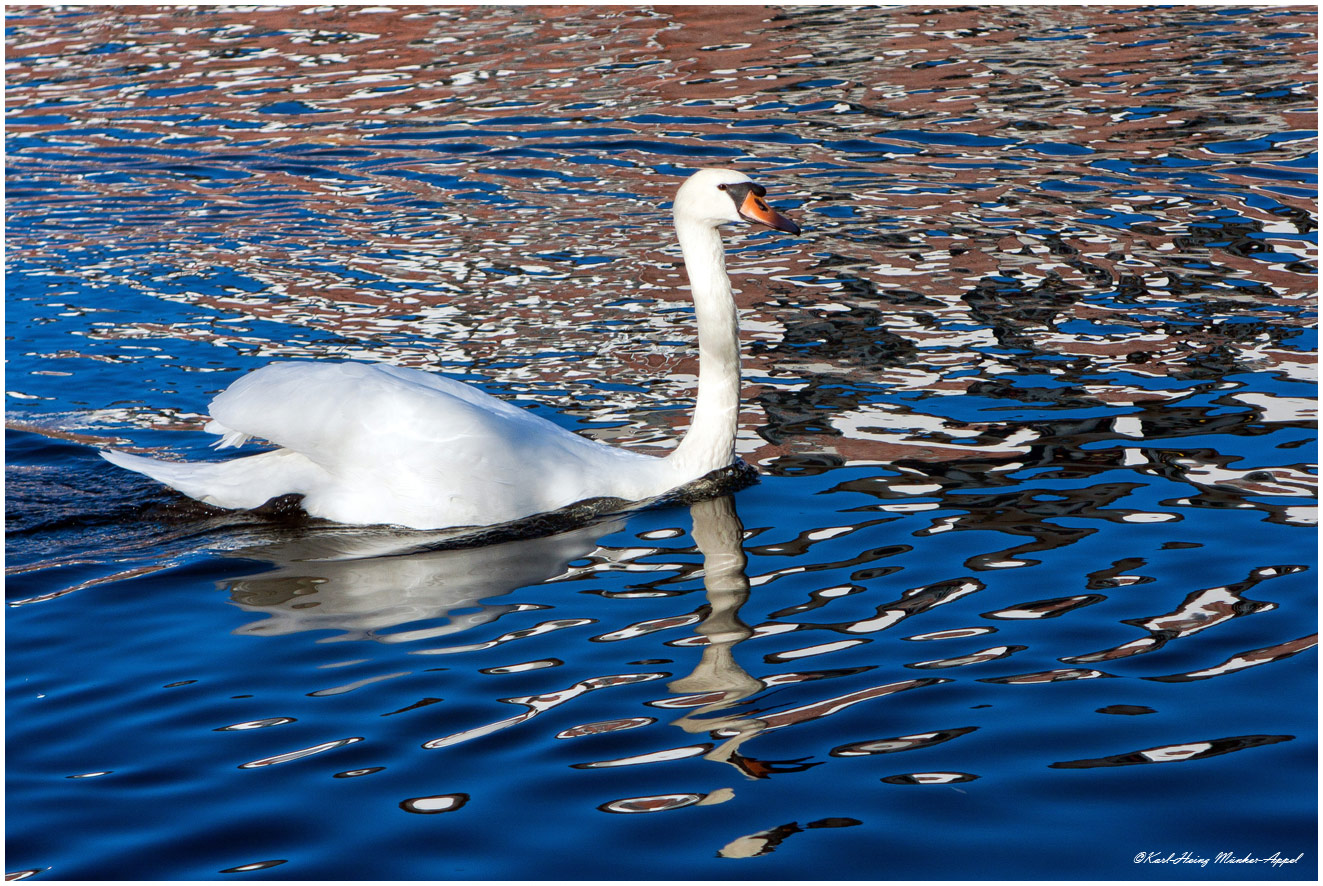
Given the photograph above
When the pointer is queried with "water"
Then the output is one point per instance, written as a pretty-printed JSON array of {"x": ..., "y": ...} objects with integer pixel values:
[{"x": 1027, "y": 588}]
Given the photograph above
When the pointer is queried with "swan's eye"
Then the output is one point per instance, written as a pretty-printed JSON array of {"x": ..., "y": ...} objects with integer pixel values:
[{"x": 721, "y": 187}]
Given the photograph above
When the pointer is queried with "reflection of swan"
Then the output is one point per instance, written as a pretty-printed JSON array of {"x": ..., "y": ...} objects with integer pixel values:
[
  {"x": 371, "y": 443},
  {"x": 720, "y": 538},
  {"x": 718, "y": 682},
  {"x": 341, "y": 581}
]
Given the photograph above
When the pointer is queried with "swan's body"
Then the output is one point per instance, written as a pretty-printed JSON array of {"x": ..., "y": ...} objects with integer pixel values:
[{"x": 374, "y": 443}]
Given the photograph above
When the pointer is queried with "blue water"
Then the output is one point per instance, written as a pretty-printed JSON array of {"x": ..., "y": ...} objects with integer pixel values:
[{"x": 1027, "y": 588}]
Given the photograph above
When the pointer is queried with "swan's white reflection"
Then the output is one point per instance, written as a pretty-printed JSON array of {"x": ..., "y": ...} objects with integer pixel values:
[
  {"x": 718, "y": 683},
  {"x": 364, "y": 583}
]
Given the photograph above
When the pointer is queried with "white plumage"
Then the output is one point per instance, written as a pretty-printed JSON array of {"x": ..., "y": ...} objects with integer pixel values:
[{"x": 380, "y": 444}]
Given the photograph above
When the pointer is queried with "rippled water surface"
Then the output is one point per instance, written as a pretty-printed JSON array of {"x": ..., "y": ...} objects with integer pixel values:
[{"x": 1027, "y": 588}]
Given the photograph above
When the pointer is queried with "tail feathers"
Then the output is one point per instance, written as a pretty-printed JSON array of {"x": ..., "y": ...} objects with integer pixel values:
[
  {"x": 247, "y": 482},
  {"x": 228, "y": 437}
]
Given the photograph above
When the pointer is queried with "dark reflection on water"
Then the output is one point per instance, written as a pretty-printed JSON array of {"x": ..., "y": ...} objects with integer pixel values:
[{"x": 1032, "y": 399}]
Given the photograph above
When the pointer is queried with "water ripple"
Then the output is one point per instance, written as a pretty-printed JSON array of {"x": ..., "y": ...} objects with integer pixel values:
[{"x": 301, "y": 753}]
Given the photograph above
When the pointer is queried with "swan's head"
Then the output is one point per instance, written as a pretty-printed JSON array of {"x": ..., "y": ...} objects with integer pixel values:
[{"x": 717, "y": 196}]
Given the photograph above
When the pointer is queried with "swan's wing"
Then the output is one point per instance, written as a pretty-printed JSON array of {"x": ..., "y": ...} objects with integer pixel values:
[
  {"x": 337, "y": 413},
  {"x": 414, "y": 448}
]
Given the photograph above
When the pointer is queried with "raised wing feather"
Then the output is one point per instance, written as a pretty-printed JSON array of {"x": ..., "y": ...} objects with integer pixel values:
[
  {"x": 333, "y": 412},
  {"x": 410, "y": 447}
]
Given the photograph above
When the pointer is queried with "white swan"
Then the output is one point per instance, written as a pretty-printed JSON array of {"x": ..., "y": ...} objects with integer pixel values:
[{"x": 379, "y": 444}]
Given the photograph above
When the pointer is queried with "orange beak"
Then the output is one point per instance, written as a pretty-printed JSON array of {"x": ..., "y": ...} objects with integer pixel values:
[{"x": 755, "y": 209}]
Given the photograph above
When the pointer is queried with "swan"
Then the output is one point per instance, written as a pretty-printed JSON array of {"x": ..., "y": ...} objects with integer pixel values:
[{"x": 371, "y": 443}]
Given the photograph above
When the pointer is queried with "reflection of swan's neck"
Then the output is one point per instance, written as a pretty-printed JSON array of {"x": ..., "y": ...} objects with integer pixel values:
[
  {"x": 710, "y": 442},
  {"x": 720, "y": 538}
]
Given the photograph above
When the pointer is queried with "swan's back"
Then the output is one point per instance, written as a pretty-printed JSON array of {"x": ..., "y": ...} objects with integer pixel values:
[
  {"x": 331, "y": 411},
  {"x": 402, "y": 446}
]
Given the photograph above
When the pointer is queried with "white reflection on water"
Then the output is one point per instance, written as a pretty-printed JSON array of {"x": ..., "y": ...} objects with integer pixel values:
[{"x": 365, "y": 583}]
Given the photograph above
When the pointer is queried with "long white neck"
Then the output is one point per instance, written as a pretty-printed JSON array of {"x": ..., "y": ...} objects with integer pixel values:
[{"x": 710, "y": 441}]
